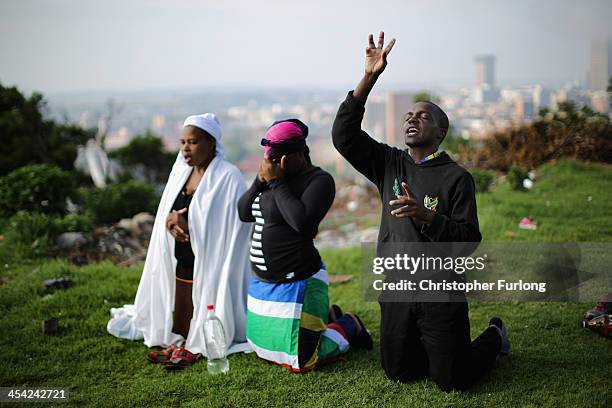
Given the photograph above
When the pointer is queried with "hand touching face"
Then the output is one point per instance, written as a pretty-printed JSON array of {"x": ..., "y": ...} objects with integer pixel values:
[{"x": 272, "y": 170}]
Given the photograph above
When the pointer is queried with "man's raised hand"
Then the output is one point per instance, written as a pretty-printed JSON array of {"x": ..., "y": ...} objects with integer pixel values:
[
  {"x": 375, "y": 63},
  {"x": 376, "y": 54}
]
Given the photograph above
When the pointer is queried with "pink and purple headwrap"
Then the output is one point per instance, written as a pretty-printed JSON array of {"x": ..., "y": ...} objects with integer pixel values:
[{"x": 284, "y": 137}]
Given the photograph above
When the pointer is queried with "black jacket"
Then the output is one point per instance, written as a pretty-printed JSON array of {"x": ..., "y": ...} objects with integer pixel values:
[
  {"x": 440, "y": 183},
  {"x": 287, "y": 214}
]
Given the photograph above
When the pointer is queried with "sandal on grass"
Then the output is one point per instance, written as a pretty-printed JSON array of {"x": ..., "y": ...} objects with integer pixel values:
[
  {"x": 162, "y": 356},
  {"x": 181, "y": 359}
]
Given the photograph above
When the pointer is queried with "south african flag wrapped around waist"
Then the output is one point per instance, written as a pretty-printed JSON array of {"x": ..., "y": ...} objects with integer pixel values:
[{"x": 287, "y": 323}]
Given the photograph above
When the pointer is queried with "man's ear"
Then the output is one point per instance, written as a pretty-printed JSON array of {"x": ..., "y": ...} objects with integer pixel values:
[
  {"x": 283, "y": 162},
  {"x": 442, "y": 135}
]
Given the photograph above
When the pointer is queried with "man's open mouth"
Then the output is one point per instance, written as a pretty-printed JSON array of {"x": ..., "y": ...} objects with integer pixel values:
[{"x": 412, "y": 130}]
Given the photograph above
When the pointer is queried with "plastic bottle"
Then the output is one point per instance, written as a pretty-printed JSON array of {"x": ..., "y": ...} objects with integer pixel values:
[{"x": 214, "y": 336}]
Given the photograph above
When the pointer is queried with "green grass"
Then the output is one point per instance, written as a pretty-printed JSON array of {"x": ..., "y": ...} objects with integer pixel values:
[
  {"x": 560, "y": 203},
  {"x": 553, "y": 361}
]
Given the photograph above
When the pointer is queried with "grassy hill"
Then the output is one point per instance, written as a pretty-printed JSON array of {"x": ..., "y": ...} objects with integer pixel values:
[
  {"x": 553, "y": 361},
  {"x": 571, "y": 200}
]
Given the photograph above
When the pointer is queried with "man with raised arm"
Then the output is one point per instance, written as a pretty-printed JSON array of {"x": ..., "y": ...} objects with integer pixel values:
[{"x": 426, "y": 197}]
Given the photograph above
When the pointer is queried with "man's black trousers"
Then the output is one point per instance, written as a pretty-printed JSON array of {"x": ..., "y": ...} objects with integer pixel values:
[{"x": 419, "y": 339}]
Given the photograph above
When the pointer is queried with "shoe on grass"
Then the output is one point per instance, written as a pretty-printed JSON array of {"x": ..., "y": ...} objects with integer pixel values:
[
  {"x": 162, "y": 356},
  {"x": 528, "y": 223},
  {"x": 335, "y": 312},
  {"x": 181, "y": 359},
  {"x": 363, "y": 339},
  {"x": 499, "y": 325},
  {"x": 604, "y": 306}
]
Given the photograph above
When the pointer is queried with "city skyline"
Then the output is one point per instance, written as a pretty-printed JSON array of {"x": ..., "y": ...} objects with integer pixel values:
[
  {"x": 67, "y": 46},
  {"x": 475, "y": 111}
]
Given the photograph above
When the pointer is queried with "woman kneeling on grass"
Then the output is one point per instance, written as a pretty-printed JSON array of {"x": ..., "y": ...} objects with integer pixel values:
[
  {"x": 287, "y": 318},
  {"x": 197, "y": 255}
]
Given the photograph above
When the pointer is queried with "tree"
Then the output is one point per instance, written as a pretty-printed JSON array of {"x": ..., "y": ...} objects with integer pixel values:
[
  {"x": 424, "y": 96},
  {"x": 145, "y": 157},
  {"x": 570, "y": 131},
  {"x": 453, "y": 141},
  {"x": 29, "y": 138}
]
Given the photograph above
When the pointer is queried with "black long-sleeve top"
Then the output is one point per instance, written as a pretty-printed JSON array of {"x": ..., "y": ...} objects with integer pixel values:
[
  {"x": 183, "y": 252},
  {"x": 440, "y": 184},
  {"x": 287, "y": 214}
]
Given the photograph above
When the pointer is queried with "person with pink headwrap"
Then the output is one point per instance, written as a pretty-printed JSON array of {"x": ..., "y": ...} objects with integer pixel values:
[{"x": 289, "y": 321}]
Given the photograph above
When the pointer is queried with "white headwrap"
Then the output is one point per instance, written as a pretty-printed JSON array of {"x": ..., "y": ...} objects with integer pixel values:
[{"x": 209, "y": 123}]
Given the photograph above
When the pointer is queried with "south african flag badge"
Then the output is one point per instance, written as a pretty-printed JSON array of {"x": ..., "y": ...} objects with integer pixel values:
[{"x": 431, "y": 203}]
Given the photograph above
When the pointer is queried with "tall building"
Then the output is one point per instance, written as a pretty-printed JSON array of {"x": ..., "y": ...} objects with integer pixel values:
[
  {"x": 600, "y": 102},
  {"x": 540, "y": 97},
  {"x": 570, "y": 92},
  {"x": 485, "y": 91},
  {"x": 398, "y": 104},
  {"x": 601, "y": 65},
  {"x": 485, "y": 71},
  {"x": 375, "y": 116},
  {"x": 158, "y": 122}
]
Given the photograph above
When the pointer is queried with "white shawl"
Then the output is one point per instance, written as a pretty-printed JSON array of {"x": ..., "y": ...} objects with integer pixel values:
[{"x": 221, "y": 270}]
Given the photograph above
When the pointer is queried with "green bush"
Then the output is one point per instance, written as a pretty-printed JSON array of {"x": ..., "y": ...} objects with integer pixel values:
[
  {"x": 569, "y": 131},
  {"x": 31, "y": 233},
  {"x": 120, "y": 200},
  {"x": 454, "y": 142},
  {"x": 145, "y": 158},
  {"x": 483, "y": 179},
  {"x": 4, "y": 222},
  {"x": 516, "y": 175},
  {"x": 26, "y": 227},
  {"x": 36, "y": 188},
  {"x": 72, "y": 223}
]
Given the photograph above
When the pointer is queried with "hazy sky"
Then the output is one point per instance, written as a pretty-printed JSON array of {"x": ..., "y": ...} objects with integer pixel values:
[{"x": 70, "y": 45}]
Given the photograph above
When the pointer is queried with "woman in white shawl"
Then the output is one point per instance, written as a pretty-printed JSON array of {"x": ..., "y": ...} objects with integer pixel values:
[{"x": 197, "y": 255}]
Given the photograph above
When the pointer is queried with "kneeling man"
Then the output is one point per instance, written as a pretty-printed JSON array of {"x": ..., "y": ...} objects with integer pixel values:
[{"x": 426, "y": 197}]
